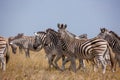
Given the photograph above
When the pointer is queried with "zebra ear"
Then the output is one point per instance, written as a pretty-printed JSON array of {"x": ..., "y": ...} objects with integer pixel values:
[
  {"x": 62, "y": 26},
  {"x": 58, "y": 25},
  {"x": 65, "y": 26},
  {"x": 101, "y": 29}
]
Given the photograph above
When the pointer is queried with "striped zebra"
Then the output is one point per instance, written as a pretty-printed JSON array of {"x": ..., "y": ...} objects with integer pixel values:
[
  {"x": 81, "y": 61},
  {"x": 19, "y": 35},
  {"x": 50, "y": 48},
  {"x": 4, "y": 53},
  {"x": 91, "y": 49},
  {"x": 107, "y": 57},
  {"x": 113, "y": 40},
  {"x": 24, "y": 42},
  {"x": 54, "y": 37}
]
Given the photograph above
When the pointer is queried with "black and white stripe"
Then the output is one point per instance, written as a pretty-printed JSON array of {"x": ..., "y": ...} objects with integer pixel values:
[
  {"x": 51, "y": 49},
  {"x": 113, "y": 40},
  {"x": 54, "y": 36},
  {"x": 89, "y": 50},
  {"x": 4, "y": 53}
]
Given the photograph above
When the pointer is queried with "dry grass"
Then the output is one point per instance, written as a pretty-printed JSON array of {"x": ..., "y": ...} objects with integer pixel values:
[{"x": 36, "y": 68}]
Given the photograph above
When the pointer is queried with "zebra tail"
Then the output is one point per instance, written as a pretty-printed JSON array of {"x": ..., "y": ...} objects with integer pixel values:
[{"x": 7, "y": 54}]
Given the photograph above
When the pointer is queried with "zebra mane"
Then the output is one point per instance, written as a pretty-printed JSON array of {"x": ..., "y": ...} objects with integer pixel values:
[
  {"x": 19, "y": 35},
  {"x": 41, "y": 32},
  {"x": 54, "y": 35},
  {"x": 51, "y": 30},
  {"x": 113, "y": 33},
  {"x": 71, "y": 34}
]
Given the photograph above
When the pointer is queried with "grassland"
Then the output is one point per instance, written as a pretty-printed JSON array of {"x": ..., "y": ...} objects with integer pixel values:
[{"x": 36, "y": 68}]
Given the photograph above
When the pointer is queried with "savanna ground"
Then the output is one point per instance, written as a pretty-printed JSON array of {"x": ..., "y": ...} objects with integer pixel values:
[{"x": 36, "y": 68}]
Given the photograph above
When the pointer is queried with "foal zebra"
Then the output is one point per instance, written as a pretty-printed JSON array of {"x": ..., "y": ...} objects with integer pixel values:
[
  {"x": 4, "y": 53},
  {"x": 113, "y": 40},
  {"x": 91, "y": 49},
  {"x": 26, "y": 43}
]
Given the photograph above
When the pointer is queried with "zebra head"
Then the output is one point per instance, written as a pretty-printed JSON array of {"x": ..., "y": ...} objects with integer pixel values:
[
  {"x": 104, "y": 33},
  {"x": 40, "y": 40},
  {"x": 64, "y": 33}
]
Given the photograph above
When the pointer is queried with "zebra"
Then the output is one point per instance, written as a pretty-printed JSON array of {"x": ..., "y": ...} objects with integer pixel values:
[
  {"x": 91, "y": 49},
  {"x": 26, "y": 43},
  {"x": 4, "y": 52},
  {"x": 113, "y": 40},
  {"x": 50, "y": 48},
  {"x": 107, "y": 57},
  {"x": 19, "y": 35},
  {"x": 54, "y": 37}
]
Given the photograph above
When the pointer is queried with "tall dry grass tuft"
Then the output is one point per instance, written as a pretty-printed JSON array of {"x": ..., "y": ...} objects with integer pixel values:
[{"x": 36, "y": 68}]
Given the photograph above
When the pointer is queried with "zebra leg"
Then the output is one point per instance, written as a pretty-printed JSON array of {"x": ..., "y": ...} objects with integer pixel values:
[
  {"x": 50, "y": 60},
  {"x": 3, "y": 63},
  {"x": 63, "y": 58},
  {"x": 0, "y": 62},
  {"x": 73, "y": 64},
  {"x": 81, "y": 64},
  {"x": 96, "y": 64},
  {"x": 114, "y": 65},
  {"x": 103, "y": 62},
  {"x": 27, "y": 52},
  {"x": 20, "y": 49},
  {"x": 56, "y": 60},
  {"x": 64, "y": 62}
]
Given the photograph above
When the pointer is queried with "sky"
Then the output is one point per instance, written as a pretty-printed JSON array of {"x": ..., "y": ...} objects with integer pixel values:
[{"x": 81, "y": 16}]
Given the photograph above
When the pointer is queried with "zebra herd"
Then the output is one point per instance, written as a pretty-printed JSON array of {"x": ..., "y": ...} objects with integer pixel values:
[{"x": 101, "y": 50}]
